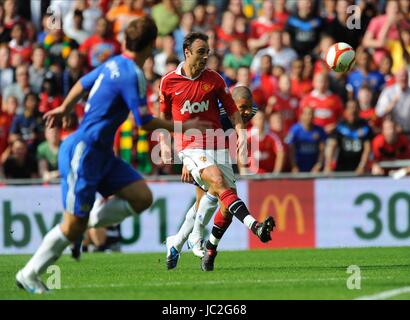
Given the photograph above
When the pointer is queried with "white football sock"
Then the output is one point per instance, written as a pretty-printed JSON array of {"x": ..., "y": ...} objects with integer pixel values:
[
  {"x": 249, "y": 221},
  {"x": 213, "y": 240},
  {"x": 206, "y": 210},
  {"x": 49, "y": 251},
  {"x": 110, "y": 212},
  {"x": 181, "y": 237}
]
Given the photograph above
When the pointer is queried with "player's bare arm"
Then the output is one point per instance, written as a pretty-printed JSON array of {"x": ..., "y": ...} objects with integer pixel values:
[{"x": 56, "y": 115}]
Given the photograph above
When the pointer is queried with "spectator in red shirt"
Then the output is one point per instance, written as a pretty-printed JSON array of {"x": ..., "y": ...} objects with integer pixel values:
[
  {"x": 265, "y": 80},
  {"x": 266, "y": 150},
  {"x": 49, "y": 97},
  {"x": 9, "y": 18},
  {"x": 19, "y": 44},
  {"x": 101, "y": 45},
  {"x": 261, "y": 27},
  {"x": 389, "y": 145},
  {"x": 328, "y": 107},
  {"x": 7, "y": 113},
  {"x": 300, "y": 85},
  {"x": 285, "y": 103},
  {"x": 225, "y": 33},
  {"x": 367, "y": 111}
]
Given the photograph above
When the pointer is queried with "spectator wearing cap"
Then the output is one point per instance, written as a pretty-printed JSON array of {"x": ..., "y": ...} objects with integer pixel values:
[
  {"x": 281, "y": 56},
  {"x": 389, "y": 145},
  {"x": 395, "y": 101},
  {"x": 101, "y": 45}
]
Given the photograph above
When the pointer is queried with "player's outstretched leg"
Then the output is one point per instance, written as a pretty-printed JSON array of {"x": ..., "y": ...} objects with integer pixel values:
[
  {"x": 221, "y": 224},
  {"x": 235, "y": 205}
]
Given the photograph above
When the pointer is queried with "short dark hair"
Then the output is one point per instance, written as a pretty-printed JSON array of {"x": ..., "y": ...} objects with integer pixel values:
[
  {"x": 191, "y": 37},
  {"x": 241, "y": 92},
  {"x": 140, "y": 33}
]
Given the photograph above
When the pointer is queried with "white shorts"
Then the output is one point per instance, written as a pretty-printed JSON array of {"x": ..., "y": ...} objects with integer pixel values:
[{"x": 197, "y": 159}]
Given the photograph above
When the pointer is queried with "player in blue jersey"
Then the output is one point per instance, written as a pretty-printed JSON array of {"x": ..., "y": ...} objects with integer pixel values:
[
  {"x": 86, "y": 159},
  {"x": 199, "y": 215}
]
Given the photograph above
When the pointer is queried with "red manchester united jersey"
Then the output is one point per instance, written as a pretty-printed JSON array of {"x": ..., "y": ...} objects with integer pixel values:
[{"x": 187, "y": 98}]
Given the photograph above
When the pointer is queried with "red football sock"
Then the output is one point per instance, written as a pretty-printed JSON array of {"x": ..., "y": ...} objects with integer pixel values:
[
  {"x": 228, "y": 197},
  {"x": 221, "y": 221}
]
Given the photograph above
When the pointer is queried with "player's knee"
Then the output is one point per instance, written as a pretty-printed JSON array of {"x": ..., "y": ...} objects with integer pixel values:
[
  {"x": 74, "y": 228},
  {"x": 218, "y": 181},
  {"x": 143, "y": 202}
]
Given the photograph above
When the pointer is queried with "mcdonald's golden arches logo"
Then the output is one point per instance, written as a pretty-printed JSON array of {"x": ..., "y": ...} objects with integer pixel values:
[{"x": 281, "y": 208}]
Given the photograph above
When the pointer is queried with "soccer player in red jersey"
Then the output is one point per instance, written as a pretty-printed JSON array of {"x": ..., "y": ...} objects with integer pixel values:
[{"x": 192, "y": 91}]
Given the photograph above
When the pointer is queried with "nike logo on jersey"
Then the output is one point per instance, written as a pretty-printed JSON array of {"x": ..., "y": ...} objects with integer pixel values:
[
  {"x": 178, "y": 92},
  {"x": 195, "y": 107}
]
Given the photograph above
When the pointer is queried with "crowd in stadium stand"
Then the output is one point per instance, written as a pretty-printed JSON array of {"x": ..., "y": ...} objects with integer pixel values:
[{"x": 310, "y": 119}]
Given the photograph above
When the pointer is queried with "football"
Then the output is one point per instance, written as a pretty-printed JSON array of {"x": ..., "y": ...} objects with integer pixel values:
[{"x": 340, "y": 57}]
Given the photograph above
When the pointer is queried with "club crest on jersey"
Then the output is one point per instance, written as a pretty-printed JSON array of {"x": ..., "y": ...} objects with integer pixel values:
[
  {"x": 202, "y": 158},
  {"x": 195, "y": 107},
  {"x": 206, "y": 87}
]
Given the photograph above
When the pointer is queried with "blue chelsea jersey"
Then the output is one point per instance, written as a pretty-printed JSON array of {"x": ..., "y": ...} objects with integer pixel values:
[{"x": 117, "y": 87}]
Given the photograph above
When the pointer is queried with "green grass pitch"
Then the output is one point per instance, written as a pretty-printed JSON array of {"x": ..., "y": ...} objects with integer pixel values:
[{"x": 257, "y": 274}]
